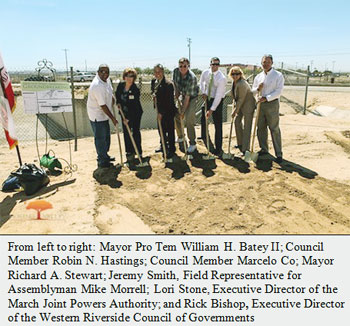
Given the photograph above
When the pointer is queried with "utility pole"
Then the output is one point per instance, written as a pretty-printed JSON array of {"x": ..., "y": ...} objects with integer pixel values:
[
  {"x": 65, "y": 50},
  {"x": 189, "y": 41},
  {"x": 333, "y": 62},
  {"x": 85, "y": 66},
  {"x": 306, "y": 89}
]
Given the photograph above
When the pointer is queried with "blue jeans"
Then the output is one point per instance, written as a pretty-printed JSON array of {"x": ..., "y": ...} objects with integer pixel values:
[{"x": 102, "y": 137}]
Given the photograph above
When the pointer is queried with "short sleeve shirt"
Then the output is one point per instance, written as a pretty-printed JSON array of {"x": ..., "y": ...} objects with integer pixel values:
[
  {"x": 187, "y": 85},
  {"x": 100, "y": 93}
]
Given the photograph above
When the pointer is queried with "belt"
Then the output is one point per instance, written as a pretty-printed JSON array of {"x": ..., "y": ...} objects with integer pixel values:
[{"x": 272, "y": 101}]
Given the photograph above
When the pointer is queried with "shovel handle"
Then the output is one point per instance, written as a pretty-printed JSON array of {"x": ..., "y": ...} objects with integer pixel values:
[
  {"x": 231, "y": 127},
  {"x": 161, "y": 132},
  {"x": 229, "y": 140},
  {"x": 182, "y": 127},
  {"x": 131, "y": 137},
  {"x": 206, "y": 125},
  {"x": 120, "y": 146},
  {"x": 183, "y": 132},
  {"x": 255, "y": 125}
]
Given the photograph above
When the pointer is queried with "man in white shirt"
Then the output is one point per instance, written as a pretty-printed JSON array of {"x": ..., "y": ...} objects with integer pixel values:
[
  {"x": 270, "y": 83},
  {"x": 99, "y": 108},
  {"x": 213, "y": 87}
]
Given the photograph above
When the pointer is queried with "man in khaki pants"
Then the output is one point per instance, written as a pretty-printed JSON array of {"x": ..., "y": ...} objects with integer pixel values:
[
  {"x": 270, "y": 83},
  {"x": 186, "y": 85}
]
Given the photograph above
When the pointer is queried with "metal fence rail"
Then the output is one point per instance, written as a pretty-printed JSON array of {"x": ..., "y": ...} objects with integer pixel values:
[
  {"x": 28, "y": 128},
  {"x": 56, "y": 127}
]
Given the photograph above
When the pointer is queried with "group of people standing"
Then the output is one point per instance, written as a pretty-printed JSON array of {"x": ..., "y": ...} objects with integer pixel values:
[{"x": 175, "y": 102}]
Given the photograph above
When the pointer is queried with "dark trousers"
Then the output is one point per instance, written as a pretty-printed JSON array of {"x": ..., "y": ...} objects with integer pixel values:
[
  {"x": 102, "y": 137},
  {"x": 168, "y": 126},
  {"x": 134, "y": 124},
  {"x": 217, "y": 118}
]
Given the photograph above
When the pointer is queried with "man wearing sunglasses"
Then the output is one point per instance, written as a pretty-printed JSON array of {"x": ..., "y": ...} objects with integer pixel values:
[
  {"x": 186, "y": 90},
  {"x": 270, "y": 83},
  {"x": 213, "y": 86},
  {"x": 99, "y": 108}
]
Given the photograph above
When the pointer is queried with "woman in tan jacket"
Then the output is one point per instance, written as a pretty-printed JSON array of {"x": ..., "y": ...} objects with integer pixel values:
[{"x": 244, "y": 108}]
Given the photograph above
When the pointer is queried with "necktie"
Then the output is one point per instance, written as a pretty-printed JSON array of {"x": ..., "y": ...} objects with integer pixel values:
[{"x": 211, "y": 82}]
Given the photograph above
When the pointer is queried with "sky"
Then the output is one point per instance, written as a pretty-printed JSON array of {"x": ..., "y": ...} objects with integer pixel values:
[{"x": 137, "y": 33}]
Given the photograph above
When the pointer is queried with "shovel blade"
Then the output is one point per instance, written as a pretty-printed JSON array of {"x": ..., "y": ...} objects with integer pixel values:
[
  {"x": 250, "y": 157},
  {"x": 227, "y": 156},
  {"x": 254, "y": 157},
  {"x": 142, "y": 164},
  {"x": 208, "y": 157}
]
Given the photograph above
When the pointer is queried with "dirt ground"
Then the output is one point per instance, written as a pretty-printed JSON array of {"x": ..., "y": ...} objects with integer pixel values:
[{"x": 309, "y": 193}]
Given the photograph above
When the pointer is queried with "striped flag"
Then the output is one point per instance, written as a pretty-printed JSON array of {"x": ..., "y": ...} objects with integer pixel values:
[{"x": 7, "y": 106}]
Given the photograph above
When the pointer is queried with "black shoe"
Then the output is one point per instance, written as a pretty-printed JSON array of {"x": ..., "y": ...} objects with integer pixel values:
[
  {"x": 170, "y": 154},
  {"x": 182, "y": 147},
  {"x": 105, "y": 165},
  {"x": 111, "y": 158},
  {"x": 158, "y": 150},
  {"x": 130, "y": 157},
  {"x": 279, "y": 159},
  {"x": 218, "y": 152},
  {"x": 239, "y": 147},
  {"x": 262, "y": 152}
]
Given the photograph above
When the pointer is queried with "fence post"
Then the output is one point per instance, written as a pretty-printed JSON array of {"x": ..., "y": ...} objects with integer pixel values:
[
  {"x": 73, "y": 106},
  {"x": 306, "y": 88}
]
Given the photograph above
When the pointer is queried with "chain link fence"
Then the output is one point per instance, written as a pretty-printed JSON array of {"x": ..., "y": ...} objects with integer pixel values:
[{"x": 60, "y": 126}]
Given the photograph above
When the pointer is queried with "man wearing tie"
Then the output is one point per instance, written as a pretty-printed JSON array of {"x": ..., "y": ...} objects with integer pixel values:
[
  {"x": 213, "y": 86},
  {"x": 270, "y": 83}
]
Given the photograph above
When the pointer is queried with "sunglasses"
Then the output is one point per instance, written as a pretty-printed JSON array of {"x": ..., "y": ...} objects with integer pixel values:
[
  {"x": 131, "y": 76},
  {"x": 183, "y": 66},
  {"x": 104, "y": 71},
  {"x": 235, "y": 74},
  {"x": 215, "y": 64}
]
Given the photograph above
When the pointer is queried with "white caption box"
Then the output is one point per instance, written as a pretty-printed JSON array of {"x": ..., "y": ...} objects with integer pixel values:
[{"x": 174, "y": 280}]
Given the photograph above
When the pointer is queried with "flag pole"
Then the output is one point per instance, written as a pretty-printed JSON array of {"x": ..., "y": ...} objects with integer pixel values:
[{"x": 19, "y": 156}]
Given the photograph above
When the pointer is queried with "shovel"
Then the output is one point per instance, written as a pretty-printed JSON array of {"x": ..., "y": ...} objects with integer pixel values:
[
  {"x": 229, "y": 156},
  {"x": 166, "y": 160},
  {"x": 120, "y": 147},
  {"x": 142, "y": 164},
  {"x": 252, "y": 156},
  {"x": 187, "y": 155},
  {"x": 208, "y": 156}
]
